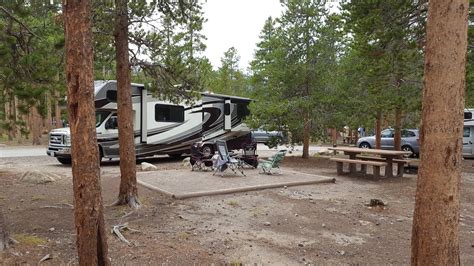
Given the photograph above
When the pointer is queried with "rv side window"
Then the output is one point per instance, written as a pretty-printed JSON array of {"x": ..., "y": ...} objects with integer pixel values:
[
  {"x": 467, "y": 115},
  {"x": 169, "y": 113},
  {"x": 467, "y": 132}
]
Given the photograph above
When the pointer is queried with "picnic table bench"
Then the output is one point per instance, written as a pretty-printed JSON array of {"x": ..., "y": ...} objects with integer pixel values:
[
  {"x": 385, "y": 158},
  {"x": 352, "y": 163},
  {"x": 400, "y": 163}
]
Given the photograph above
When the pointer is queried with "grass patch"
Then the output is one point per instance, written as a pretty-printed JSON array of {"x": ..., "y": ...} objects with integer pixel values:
[
  {"x": 183, "y": 235},
  {"x": 233, "y": 203},
  {"x": 121, "y": 211},
  {"x": 29, "y": 240},
  {"x": 36, "y": 198}
]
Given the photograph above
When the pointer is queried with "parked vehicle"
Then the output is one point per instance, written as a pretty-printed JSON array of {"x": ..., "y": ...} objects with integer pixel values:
[
  {"x": 263, "y": 136},
  {"x": 410, "y": 140},
  {"x": 161, "y": 127},
  {"x": 468, "y": 135}
]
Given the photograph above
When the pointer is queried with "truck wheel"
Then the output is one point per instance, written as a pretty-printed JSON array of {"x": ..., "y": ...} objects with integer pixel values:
[
  {"x": 101, "y": 154},
  {"x": 64, "y": 160}
]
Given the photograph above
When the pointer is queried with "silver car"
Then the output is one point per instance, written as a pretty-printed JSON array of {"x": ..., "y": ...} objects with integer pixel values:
[
  {"x": 263, "y": 136},
  {"x": 410, "y": 140}
]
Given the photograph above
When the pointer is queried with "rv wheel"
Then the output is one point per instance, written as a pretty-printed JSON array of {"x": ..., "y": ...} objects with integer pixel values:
[
  {"x": 175, "y": 155},
  {"x": 208, "y": 150}
]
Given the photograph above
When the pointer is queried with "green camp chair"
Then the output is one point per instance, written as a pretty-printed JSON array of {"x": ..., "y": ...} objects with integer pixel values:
[{"x": 273, "y": 163}]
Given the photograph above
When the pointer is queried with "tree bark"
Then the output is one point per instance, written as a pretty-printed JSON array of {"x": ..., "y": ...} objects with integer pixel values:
[
  {"x": 11, "y": 119},
  {"x": 57, "y": 111},
  {"x": 306, "y": 137},
  {"x": 19, "y": 117},
  {"x": 48, "y": 119},
  {"x": 12, "y": 130},
  {"x": 35, "y": 125},
  {"x": 128, "y": 192},
  {"x": 378, "y": 130},
  {"x": 397, "y": 138},
  {"x": 435, "y": 234},
  {"x": 334, "y": 136},
  {"x": 88, "y": 210}
]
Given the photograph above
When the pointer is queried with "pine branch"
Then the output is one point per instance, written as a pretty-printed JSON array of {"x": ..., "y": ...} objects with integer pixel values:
[{"x": 18, "y": 21}]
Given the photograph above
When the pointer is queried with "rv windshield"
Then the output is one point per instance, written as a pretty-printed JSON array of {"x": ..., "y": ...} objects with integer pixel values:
[{"x": 100, "y": 117}]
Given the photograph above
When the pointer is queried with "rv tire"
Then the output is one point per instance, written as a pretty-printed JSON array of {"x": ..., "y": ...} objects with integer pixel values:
[
  {"x": 208, "y": 150},
  {"x": 175, "y": 155}
]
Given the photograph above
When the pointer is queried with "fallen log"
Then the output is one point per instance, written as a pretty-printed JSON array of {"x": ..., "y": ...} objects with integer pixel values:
[
  {"x": 236, "y": 190},
  {"x": 3, "y": 234}
]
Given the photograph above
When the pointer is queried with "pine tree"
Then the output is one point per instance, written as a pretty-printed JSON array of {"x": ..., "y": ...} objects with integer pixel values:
[
  {"x": 88, "y": 209},
  {"x": 31, "y": 50},
  {"x": 435, "y": 235},
  {"x": 386, "y": 53},
  {"x": 292, "y": 71},
  {"x": 229, "y": 78},
  {"x": 128, "y": 192}
]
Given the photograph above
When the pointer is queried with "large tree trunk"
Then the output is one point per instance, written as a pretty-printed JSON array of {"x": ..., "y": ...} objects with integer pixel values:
[
  {"x": 435, "y": 235},
  {"x": 57, "y": 110},
  {"x": 128, "y": 193},
  {"x": 48, "y": 119},
  {"x": 306, "y": 137},
  {"x": 12, "y": 119},
  {"x": 88, "y": 210},
  {"x": 334, "y": 136},
  {"x": 18, "y": 117},
  {"x": 35, "y": 125},
  {"x": 378, "y": 130},
  {"x": 397, "y": 138}
]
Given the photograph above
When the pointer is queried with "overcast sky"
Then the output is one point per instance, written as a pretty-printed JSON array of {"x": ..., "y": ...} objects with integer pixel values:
[{"x": 235, "y": 23}]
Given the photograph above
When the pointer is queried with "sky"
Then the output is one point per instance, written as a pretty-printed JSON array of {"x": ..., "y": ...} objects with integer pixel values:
[{"x": 238, "y": 24}]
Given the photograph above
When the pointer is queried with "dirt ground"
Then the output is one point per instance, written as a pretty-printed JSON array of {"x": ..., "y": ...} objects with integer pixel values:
[{"x": 315, "y": 224}]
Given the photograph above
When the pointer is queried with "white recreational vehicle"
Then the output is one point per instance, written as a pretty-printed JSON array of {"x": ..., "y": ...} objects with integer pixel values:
[
  {"x": 161, "y": 127},
  {"x": 468, "y": 134}
]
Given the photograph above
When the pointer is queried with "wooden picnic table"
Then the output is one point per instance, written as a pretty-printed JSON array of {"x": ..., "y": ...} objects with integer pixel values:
[{"x": 388, "y": 155}]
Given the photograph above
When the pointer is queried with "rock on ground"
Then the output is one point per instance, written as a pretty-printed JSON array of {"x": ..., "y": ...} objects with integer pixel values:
[
  {"x": 37, "y": 177},
  {"x": 323, "y": 151},
  {"x": 186, "y": 162},
  {"x": 148, "y": 167}
]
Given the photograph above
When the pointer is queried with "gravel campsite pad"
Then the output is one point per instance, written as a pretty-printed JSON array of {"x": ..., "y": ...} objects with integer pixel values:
[
  {"x": 180, "y": 182},
  {"x": 314, "y": 224}
]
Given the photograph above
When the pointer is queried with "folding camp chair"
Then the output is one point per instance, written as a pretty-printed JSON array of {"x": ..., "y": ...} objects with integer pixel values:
[
  {"x": 225, "y": 161},
  {"x": 198, "y": 160},
  {"x": 249, "y": 155},
  {"x": 273, "y": 162}
]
